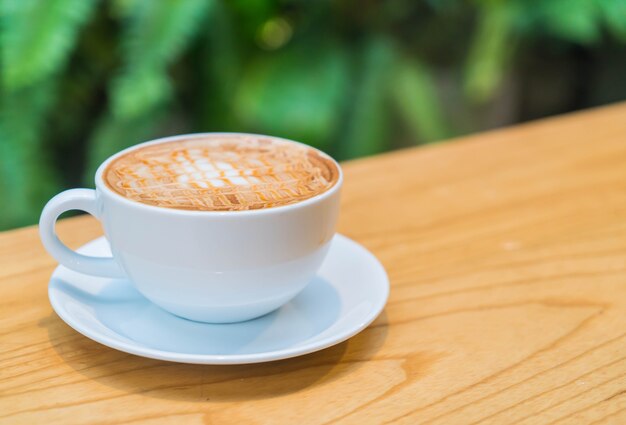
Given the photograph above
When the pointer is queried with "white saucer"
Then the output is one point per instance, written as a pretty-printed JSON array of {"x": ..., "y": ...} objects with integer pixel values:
[{"x": 348, "y": 293}]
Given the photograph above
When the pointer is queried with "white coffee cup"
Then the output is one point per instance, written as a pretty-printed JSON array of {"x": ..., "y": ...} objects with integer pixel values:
[{"x": 201, "y": 265}]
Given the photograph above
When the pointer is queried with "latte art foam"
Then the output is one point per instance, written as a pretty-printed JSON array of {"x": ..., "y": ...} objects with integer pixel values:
[{"x": 221, "y": 173}]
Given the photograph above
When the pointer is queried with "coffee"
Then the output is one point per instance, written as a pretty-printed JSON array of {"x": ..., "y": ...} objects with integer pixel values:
[{"x": 221, "y": 172}]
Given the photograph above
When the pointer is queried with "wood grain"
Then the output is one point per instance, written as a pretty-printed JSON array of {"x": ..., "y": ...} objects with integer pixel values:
[{"x": 507, "y": 257}]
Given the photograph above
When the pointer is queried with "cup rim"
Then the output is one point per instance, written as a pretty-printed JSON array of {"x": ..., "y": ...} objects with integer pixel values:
[{"x": 101, "y": 185}]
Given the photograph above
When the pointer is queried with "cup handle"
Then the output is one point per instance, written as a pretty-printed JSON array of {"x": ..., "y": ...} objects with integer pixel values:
[{"x": 74, "y": 199}]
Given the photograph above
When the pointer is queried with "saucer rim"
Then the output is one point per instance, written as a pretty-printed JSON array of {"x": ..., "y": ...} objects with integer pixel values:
[{"x": 226, "y": 359}]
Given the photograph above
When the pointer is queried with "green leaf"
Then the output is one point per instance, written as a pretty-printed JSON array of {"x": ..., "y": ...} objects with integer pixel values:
[
  {"x": 139, "y": 90},
  {"x": 252, "y": 14},
  {"x": 491, "y": 47},
  {"x": 296, "y": 93},
  {"x": 414, "y": 90},
  {"x": 27, "y": 179},
  {"x": 37, "y": 36},
  {"x": 221, "y": 60},
  {"x": 367, "y": 125},
  {"x": 614, "y": 12},
  {"x": 122, "y": 8},
  {"x": 114, "y": 134},
  {"x": 155, "y": 34},
  {"x": 573, "y": 20}
]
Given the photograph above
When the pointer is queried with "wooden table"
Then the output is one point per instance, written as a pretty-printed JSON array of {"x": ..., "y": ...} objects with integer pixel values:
[{"x": 507, "y": 258}]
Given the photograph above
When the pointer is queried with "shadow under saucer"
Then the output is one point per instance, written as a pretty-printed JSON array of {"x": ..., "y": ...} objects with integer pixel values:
[{"x": 216, "y": 383}]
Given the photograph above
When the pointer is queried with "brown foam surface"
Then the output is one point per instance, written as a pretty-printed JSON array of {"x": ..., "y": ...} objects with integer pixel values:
[{"x": 221, "y": 173}]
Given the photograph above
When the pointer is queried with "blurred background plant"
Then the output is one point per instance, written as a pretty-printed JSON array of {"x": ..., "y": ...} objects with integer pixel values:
[{"x": 82, "y": 79}]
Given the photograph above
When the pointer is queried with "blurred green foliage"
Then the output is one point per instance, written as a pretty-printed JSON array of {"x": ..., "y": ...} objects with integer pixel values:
[{"x": 82, "y": 79}]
